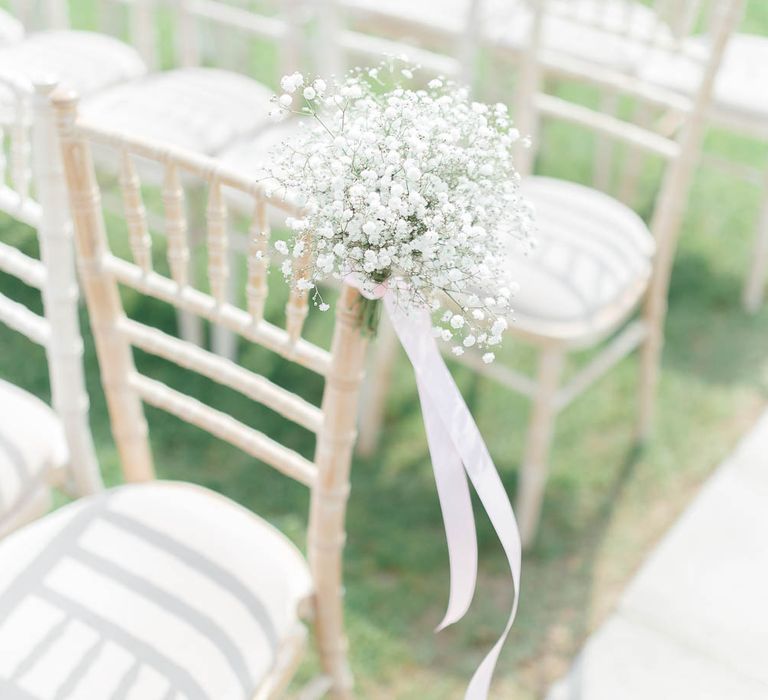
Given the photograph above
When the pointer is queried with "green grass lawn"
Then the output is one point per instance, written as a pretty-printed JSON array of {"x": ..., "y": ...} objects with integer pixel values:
[{"x": 607, "y": 504}]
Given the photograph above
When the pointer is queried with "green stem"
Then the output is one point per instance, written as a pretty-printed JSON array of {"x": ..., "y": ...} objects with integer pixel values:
[{"x": 370, "y": 315}]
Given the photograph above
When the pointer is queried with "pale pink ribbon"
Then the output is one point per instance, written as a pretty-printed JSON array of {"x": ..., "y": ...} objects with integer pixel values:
[{"x": 457, "y": 450}]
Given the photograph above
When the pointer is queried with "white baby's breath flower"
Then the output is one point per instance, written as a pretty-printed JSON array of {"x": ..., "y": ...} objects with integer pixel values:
[
  {"x": 416, "y": 186},
  {"x": 499, "y": 326},
  {"x": 488, "y": 357},
  {"x": 291, "y": 83},
  {"x": 281, "y": 247}
]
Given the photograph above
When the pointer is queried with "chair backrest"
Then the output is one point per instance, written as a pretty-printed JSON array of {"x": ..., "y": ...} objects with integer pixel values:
[
  {"x": 33, "y": 192},
  {"x": 680, "y": 151},
  {"x": 333, "y": 423}
]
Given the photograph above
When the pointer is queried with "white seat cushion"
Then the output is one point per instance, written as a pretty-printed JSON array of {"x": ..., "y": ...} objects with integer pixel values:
[
  {"x": 32, "y": 445},
  {"x": 741, "y": 86},
  {"x": 83, "y": 61},
  {"x": 202, "y": 109},
  {"x": 11, "y": 30},
  {"x": 591, "y": 265},
  {"x": 148, "y": 591}
]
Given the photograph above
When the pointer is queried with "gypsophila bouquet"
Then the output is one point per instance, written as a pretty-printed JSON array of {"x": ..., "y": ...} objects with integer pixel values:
[{"x": 410, "y": 190}]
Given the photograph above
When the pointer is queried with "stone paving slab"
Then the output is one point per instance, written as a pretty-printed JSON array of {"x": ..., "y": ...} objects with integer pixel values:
[
  {"x": 693, "y": 624},
  {"x": 625, "y": 660}
]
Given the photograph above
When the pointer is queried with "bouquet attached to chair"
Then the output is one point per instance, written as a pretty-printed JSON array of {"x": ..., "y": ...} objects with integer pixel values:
[{"x": 412, "y": 196}]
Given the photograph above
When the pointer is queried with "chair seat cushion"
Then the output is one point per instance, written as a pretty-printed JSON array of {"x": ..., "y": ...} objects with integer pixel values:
[
  {"x": 83, "y": 61},
  {"x": 590, "y": 267},
  {"x": 741, "y": 86},
  {"x": 151, "y": 591},
  {"x": 203, "y": 109},
  {"x": 32, "y": 445},
  {"x": 11, "y": 30}
]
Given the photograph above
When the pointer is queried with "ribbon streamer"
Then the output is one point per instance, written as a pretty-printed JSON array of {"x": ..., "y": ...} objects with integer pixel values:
[{"x": 458, "y": 451}]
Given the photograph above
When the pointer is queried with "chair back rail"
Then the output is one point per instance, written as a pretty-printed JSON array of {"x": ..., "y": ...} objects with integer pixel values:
[
  {"x": 327, "y": 475},
  {"x": 22, "y": 320},
  {"x": 34, "y": 194}
]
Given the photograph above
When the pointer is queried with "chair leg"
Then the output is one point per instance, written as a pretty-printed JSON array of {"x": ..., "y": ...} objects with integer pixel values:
[
  {"x": 375, "y": 388},
  {"x": 650, "y": 362},
  {"x": 535, "y": 466},
  {"x": 754, "y": 287},
  {"x": 329, "y": 618}
]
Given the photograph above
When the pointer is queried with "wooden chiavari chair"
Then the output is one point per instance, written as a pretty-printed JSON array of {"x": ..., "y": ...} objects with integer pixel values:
[
  {"x": 169, "y": 590},
  {"x": 593, "y": 252},
  {"x": 738, "y": 105},
  {"x": 40, "y": 446},
  {"x": 597, "y": 262},
  {"x": 688, "y": 28}
]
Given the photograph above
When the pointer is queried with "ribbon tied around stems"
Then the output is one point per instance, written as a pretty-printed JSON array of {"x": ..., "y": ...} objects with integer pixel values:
[{"x": 459, "y": 455}]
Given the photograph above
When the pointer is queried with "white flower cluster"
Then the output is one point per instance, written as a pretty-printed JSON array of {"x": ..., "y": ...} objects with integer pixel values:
[{"x": 414, "y": 189}]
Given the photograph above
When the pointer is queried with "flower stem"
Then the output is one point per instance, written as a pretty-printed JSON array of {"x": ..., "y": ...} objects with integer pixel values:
[{"x": 370, "y": 315}]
